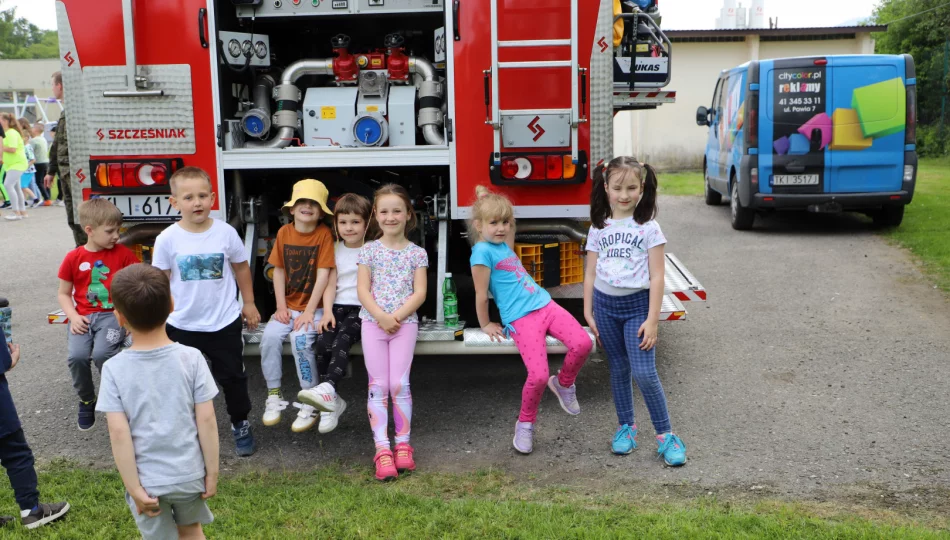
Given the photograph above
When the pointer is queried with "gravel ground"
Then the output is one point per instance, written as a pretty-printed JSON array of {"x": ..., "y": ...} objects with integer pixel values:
[{"x": 818, "y": 366}]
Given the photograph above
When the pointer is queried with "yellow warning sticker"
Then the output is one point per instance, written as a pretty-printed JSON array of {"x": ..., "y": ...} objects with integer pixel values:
[
  {"x": 328, "y": 113},
  {"x": 643, "y": 47},
  {"x": 372, "y": 108}
]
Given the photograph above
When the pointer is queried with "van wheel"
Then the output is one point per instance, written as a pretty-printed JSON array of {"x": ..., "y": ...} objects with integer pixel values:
[
  {"x": 889, "y": 216},
  {"x": 742, "y": 217},
  {"x": 713, "y": 198}
]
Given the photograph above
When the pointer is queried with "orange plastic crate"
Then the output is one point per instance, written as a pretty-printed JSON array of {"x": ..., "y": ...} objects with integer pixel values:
[{"x": 572, "y": 262}]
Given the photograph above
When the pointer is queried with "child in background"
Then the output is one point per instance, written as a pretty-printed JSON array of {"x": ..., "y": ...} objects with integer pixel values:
[
  {"x": 85, "y": 280},
  {"x": 391, "y": 285},
  {"x": 203, "y": 258},
  {"x": 303, "y": 258},
  {"x": 41, "y": 151},
  {"x": 623, "y": 292},
  {"x": 40, "y": 196},
  {"x": 527, "y": 312},
  {"x": 157, "y": 398},
  {"x": 16, "y": 456},
  {"x": 340, "y": 326}
]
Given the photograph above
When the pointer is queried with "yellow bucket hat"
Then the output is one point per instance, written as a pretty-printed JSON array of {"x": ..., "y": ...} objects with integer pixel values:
[{"x": 313, "y": 190}]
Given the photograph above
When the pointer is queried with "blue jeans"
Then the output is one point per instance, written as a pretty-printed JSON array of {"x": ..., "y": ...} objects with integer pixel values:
[
  {"x": 17, "y": 459},
  {"x": 618, "y": 320}
]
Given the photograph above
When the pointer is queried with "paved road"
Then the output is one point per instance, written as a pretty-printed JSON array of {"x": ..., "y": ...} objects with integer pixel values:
[{"x": 820, "y": 364}]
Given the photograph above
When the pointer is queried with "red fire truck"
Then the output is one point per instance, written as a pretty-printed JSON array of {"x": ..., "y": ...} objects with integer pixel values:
[{"x": 437, "y": 95}]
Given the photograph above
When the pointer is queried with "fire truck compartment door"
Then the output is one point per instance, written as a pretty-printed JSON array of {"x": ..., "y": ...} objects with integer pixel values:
[{"x": 152, "y": 125}]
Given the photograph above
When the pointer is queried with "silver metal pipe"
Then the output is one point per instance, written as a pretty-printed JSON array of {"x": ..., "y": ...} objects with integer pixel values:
[
  {"x": 283, "y": 139},
  {"x": 285, "y": 134},
  {"x": 432, "y": 133},
  {"x": 566, "y": 227},
  {"x": 301, "y": 68}
]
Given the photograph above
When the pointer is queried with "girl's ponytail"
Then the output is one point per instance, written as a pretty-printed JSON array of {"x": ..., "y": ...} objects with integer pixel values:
[
  {"x": 646, "y": 208},
  {"x": 599, "y": 204}
]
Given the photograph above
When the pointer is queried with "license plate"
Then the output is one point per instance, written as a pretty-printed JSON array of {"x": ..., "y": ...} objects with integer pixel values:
[
  {"x": 144, "y": 207},
  {"x": 795, "y": 180}
]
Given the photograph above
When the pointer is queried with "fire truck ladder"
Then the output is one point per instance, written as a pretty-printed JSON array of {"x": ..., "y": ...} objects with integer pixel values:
[{"x": 497, "y": 113}]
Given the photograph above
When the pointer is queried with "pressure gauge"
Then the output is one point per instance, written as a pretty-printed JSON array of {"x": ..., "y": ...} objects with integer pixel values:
[
  {"x": 260, "y": 49},
  {"x": 234, "y": 48},
  {"x": 247, "y": 48}
]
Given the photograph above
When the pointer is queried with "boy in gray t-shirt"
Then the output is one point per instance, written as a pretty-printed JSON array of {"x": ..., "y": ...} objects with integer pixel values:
[{"x": 157, "y": 396}]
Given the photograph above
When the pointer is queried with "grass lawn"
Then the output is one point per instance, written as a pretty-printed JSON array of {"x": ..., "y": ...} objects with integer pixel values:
[
  {"x": 681, "y": 183},
  {"x": 335, "y": 503},
  {"x": 926, "y": 227},
  {"x": 926, "y": 220}
]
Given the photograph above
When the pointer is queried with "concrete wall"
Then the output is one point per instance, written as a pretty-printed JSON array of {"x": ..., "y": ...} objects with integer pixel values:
[
  {"x": 28, "y": 75},
  {"x": 668, "y": 136}
]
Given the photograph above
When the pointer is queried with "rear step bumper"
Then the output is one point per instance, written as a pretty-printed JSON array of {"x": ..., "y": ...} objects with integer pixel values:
[
  {"x": 435, "y": 338},
  {"x": 847, "y": 201}
]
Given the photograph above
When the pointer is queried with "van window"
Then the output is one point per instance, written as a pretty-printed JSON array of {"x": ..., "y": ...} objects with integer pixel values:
[{"x": 717, "y": 97}]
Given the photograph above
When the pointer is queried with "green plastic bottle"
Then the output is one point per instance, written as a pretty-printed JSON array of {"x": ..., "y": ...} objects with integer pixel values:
[{"x": 450, "y": 302}]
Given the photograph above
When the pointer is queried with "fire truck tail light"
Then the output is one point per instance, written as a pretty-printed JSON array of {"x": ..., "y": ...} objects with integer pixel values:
[
  {"x": 135, "y": 174},
  {"x": 542, "y": 168}
]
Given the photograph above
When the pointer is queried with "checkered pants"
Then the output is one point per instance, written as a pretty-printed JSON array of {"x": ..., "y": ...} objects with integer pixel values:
[{"x": 618, "y": 320}]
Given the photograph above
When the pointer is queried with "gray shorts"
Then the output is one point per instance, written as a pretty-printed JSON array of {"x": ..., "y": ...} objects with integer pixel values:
[{"x": 181, "y": 504}]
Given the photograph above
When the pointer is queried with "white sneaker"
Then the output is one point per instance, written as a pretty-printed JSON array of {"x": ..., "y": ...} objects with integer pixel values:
[
  {"x": 59, "y": 203},
  {"x": 12, "y": 217},
  {"x": 329, "y": 421},
  {"x": 306, "y": 418},
  {"x": 323, "y": 397},
  {"x": 272, "y": 408}
]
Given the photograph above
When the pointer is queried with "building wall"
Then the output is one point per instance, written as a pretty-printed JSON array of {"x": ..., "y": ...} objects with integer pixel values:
[
  {"x": 28, "y": 75},
  {"x": 668, "y": 136}
]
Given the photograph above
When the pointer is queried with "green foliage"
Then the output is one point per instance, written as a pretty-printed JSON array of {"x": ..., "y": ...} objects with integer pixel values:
[
  {"x": 923, "y": 36},
  {"x": 20, "y": 39},
  {"x": 933, "y": 141}
]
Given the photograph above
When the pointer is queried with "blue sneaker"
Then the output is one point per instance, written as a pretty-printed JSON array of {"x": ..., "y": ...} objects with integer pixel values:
[
  {"x": 243, "y": 439},
  {"x": 87, "y": 415},
  {"x": 672, "y": 449},
  {"x": 625, "y": 440}
]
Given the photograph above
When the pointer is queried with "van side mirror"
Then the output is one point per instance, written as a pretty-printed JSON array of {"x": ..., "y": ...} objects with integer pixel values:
[{"x": 702, "y": 116}]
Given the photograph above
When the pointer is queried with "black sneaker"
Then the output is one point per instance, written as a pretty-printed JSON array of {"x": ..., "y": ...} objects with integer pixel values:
[
  {"x": 87, "y": 415},
  {"x": 6, "y": 204},
  {"x": 43, "y": 514},
  {"x": 243, "y": 439}
]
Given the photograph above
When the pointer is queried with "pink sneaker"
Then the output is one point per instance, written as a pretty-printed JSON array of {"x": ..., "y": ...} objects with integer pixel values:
[
  {"x": 385, "y": 469},
  {"x": 404, "y": 461}
]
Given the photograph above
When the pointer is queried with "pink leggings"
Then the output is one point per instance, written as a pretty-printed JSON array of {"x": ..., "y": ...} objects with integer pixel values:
[
  {"x": 529, "y": 335},
  {"x": 388, "y": 358}
]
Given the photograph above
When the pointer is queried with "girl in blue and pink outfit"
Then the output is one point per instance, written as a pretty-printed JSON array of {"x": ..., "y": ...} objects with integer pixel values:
[
  {"x": 527, "y": 312},
  {"x": 623, "y": 291},
  {"x": 391, "y": 285}
]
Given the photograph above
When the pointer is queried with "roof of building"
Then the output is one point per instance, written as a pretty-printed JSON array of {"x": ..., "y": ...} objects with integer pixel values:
[{"x": 776, "y": 32}]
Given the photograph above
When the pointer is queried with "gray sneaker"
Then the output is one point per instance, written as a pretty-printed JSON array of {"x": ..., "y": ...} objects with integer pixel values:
[
  {"x": 43, "y": 514},
  {"x": 567, "y": 396},
  {"x": 524, "y": 437}
]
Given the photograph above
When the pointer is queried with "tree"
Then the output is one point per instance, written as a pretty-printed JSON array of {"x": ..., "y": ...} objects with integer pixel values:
[
  {"x": 919, "y": 28},
  {"x": 20, "y": 39}
]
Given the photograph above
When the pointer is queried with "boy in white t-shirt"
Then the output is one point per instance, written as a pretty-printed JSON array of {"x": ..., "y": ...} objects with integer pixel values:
[{"x": 203, "y": 258}]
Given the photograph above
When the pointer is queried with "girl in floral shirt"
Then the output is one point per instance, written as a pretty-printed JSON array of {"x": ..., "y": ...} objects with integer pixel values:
[{"x": 391, "y": 285}]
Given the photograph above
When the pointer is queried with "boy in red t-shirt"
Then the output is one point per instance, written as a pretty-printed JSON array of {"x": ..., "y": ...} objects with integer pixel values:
[{"x": 84, "y": 279}]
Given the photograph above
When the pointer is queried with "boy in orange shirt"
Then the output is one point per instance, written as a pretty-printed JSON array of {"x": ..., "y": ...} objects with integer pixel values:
[{"x": 302, "y": 257}]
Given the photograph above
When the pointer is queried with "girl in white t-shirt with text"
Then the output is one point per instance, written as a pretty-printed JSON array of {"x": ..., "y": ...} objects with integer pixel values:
[{"x": 623, "y": 292}]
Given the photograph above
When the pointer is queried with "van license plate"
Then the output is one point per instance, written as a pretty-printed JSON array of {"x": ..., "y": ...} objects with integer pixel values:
[
  {"x": 144, "y": 207},
  {"x": 795, "y": 180}
]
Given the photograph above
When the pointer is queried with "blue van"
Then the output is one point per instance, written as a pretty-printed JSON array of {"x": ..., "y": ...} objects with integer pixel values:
[{"x": 824, "y": 134}]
